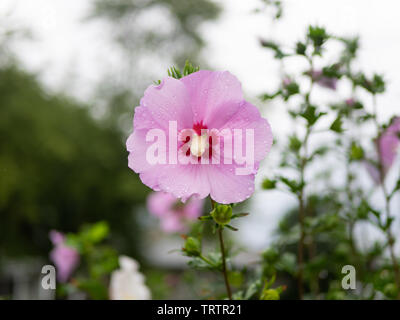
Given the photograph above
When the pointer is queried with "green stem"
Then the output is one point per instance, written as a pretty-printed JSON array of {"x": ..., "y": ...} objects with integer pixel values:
[
  {"x": 302, "y": 211},
  {"x": 206, "y": 260},
  {"x": 224, "y": 271},
  {"x": 389, "y": 235},
  {"x": 222, "y": 246}
]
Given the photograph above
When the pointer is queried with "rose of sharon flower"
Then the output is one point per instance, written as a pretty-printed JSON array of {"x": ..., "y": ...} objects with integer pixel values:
[
  {"x": 127, "y": 283},
  {"x": 65, "y": 258},
  {"x": 172, "y": 212},
  {"x": 388, "y": 143},
  {"x": 205, "y": 105}
]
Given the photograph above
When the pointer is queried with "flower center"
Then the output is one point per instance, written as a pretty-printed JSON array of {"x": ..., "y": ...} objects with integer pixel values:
[{"x": 198, "y": 145}]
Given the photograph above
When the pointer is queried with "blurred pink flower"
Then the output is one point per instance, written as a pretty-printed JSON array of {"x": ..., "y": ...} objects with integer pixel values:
[
  {"x": 203, "y": 100},
  {"x": 286, "y": 81},
  {"x": 172, "y": 212},
  {"x": 388, "y": 144},
  {"x": 65, "y": 258},
  {"x": 323, "y": 81},
  {"x": 350, "y": 102}
]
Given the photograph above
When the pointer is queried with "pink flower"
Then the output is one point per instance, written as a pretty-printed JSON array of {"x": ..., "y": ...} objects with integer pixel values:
[
  {"x": 203, "y": 104},
  {"x": 388, "y": 143},
  {"x": 350, "y": 102},
  {"x": 173, "y": 213},
  {"x": 323, "y": 81},
  {"x": 65, "y": 258}
]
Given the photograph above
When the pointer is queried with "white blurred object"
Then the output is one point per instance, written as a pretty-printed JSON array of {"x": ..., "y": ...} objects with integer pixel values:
[{"x": 127, "y": 283}]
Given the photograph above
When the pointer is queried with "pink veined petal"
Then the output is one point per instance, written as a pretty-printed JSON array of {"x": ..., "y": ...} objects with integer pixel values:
[
  {"x": 168, "y": 101},
  {"x": 137, "y": 161},
  {"x": 227, "y": 187},
  {"x": 137, "y": 147},
  {"x": 214, "y": 96},
  {"x": 143, "y": 119},
  {"x": 184, "y": 181},
  {"x": 249, "y": 117}
]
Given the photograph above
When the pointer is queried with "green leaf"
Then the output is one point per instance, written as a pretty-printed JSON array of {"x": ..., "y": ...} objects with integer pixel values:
[
  {"x": 268, "y": 184},
  {"x": 318, "y": 37},
  {"x": 294, "y": 143},
  {"x": 311, "y": 115},
  {"x": 95, "y": 233},
  {"x": 289, "y": 89},
  {"x": 270, "y": 294},
  {"x": 301, "y": 48},
  {"x": 374, "y": 85},
  {"x": 336, "y": 125},
  {"x": 94, "y": 288},
  {"x": 274, "y": 47},
  {"x": 293, "y": 185},
  {"x": 319, "y": 152},
  {"x": 356, "y": 152}
]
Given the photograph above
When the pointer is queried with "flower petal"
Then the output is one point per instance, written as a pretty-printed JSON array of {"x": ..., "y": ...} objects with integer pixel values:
[
  {"x": 166, "y": 102},
  {"x": 249, "y": 117},
  {"x": 214, "y": 96},
  {"x": 227, "y": 187}
]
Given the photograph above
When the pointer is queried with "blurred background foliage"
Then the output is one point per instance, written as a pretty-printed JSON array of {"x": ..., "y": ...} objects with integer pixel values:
[{"x": 61, "y": 167}]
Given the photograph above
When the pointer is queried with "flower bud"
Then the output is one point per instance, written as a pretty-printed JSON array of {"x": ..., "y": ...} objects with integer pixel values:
[
  {"x": 222, "y": 214},
  {"x": 192, "y": 247}
]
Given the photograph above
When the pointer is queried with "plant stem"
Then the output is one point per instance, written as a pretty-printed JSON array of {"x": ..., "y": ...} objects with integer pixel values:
[
  {"x": 389, "y": 235},
  {"x": 391, "y": 241},
  {"x": 224, "y": 271},
  {"x": 206, "y": 260},
  {"x": 222, "y": 246},
  {"x": 302, "y": 213}
]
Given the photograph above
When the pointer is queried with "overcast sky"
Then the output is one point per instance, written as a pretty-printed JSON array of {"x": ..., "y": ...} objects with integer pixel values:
[{"x": 66, "y": 49}]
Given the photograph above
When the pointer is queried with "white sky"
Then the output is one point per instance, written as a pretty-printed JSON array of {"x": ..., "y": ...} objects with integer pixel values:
[{"x": 68, "y": 53}]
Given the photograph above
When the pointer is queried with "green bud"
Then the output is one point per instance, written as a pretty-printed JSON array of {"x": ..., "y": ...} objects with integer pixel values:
[
  {"x": 222, "y": 214},
  {"x": 192, "y": 247}
]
